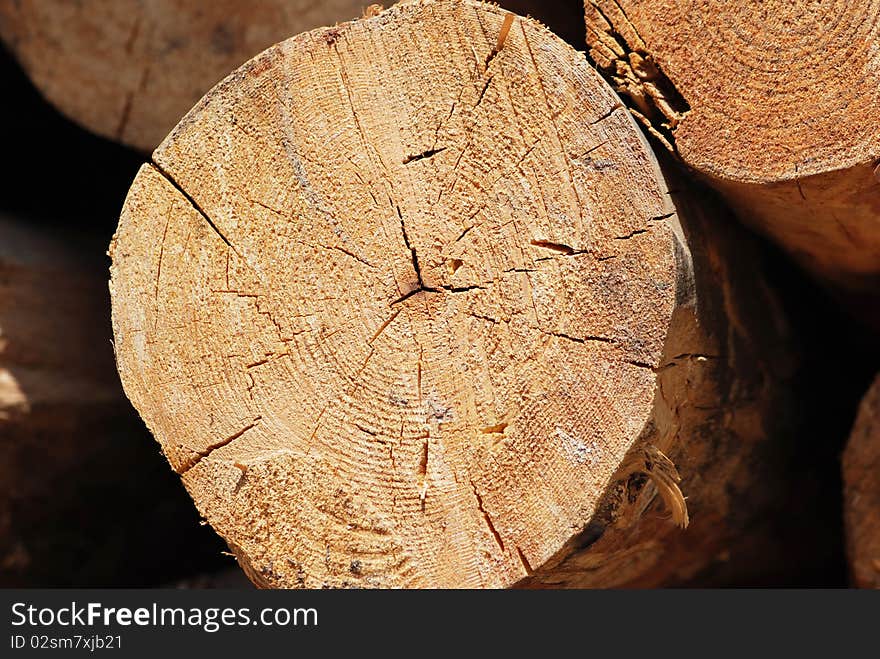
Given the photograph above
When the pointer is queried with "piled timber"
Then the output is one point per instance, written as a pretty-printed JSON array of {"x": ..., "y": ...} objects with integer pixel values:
[{"x": 408, "y": 302}]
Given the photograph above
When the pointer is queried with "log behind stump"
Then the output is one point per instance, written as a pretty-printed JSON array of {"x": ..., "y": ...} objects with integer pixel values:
[
  {"x": 775, "y": 106},
  {"x": 861, "y": 475},
  {"x": 81, "y": 496},
  {"x": 55, "y": 386}
]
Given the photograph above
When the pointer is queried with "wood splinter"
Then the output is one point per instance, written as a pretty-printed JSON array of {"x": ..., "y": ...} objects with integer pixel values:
[
  {"x": 502, "y": 37},
  {"x": 372, "y": 11}
]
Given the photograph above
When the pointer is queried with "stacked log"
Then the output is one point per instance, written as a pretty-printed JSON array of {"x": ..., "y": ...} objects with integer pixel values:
[
  {"x": 861, "y": 475},
  {"x": 84, "y": 500},
  {"x": 408, "y": 302},
  {"x": 773, "y": 105}
]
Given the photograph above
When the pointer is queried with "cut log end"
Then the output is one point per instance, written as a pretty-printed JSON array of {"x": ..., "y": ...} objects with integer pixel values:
[
  {"x": 391, "y": 298},
  {"x": 775, "y": 105},
  {"x": 756, "y": 94}
]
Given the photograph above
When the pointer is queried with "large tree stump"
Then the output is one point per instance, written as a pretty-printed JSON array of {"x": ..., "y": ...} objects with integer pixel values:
[
  {"x": 130, "y": 69},
  {"x": 395, "y": 299},
  {"x": 861, "y": 475},
  {"x": 775, "y": 105}
]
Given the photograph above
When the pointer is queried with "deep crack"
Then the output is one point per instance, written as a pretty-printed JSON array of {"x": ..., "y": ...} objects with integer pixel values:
[
  {"x": 192, "y": 202},
  {"x": 495, "y": 534},
  {"x": 423, "y": 155},
  {"x": 412, "y": 250},
  {"x": 201, "y": 455}
]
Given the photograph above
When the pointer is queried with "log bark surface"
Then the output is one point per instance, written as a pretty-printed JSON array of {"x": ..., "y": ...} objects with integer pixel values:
[
  {"x": 394, "y": 299},
  {"x": 775, "y": 105},
  {"x": 861, "y": 475}
]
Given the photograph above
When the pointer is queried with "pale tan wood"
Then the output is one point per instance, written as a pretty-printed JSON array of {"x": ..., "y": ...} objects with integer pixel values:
[
  {"x": 394, "y": 298},
  {"x": 130, "y": 69},
  {"x": 861, "y": 476},
  {"x": 775, "y": 105}
]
